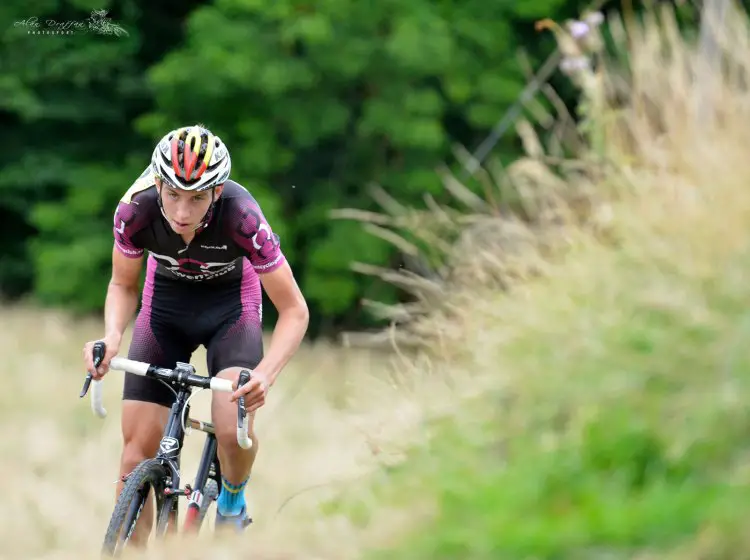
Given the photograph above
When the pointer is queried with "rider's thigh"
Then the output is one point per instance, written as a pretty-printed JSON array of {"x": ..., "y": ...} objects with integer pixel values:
[
  {"x": 236, "y": 338},
  {"x": 235, "y": 343},
  {"x": 143, "y": 424},
  {"x": 159, "y": 338},
  {"x": 161, "y": 335}
]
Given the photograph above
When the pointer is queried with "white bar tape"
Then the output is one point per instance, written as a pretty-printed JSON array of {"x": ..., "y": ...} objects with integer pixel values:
[
  {"x": 97, "y": 398},
  {"x": 131, "y": 366},
  {"x": 221, "y": 385},
  {"x": 243, "y": 439}
]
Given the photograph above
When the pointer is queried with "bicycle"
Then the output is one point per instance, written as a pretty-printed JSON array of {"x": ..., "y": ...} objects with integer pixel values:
[{"x": 162, "y": 472}]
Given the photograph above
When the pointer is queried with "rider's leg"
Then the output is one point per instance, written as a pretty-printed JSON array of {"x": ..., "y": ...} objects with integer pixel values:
[
  {"x": 142, "y": 427},
  {"x": 236, "y": 463},
  {"x": 159, "y": 339},
  {"x": 235, "y": 344}
]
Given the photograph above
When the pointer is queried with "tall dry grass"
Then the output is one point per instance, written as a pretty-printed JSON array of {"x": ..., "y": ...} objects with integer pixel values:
[
  {"x": 332, "y": 419},
  {"x": 662, "y": 139},
  {"x": 598, "y": 276}
]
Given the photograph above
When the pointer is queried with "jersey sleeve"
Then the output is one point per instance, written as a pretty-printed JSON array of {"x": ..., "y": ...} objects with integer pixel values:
[
  {"x": 252, "y": 232},
  {"x": 125, "y": 228}
]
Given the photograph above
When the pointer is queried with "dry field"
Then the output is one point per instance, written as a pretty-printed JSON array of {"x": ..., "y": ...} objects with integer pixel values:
[{"x": 332, "y": 416}]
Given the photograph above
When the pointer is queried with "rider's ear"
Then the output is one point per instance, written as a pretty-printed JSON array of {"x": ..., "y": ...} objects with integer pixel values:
[{"x": 218, "y": 190}]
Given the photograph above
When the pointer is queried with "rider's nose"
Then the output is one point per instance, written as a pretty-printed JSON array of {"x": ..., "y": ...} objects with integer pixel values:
[{"x": 182, "y": 212}]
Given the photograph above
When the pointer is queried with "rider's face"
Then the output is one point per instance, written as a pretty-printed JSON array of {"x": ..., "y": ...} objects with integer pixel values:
[{"x": 184, "y": 209}]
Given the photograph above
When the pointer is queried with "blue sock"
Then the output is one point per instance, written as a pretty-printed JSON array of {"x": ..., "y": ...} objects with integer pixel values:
[{"x": 231, "y": 498}]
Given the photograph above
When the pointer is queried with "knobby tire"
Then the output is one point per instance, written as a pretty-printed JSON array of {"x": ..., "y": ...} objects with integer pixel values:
[{"x": 149, "y": 475}]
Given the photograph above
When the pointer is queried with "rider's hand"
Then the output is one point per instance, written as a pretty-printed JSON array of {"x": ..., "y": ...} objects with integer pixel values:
[
  {"x": 112, "y": 347},
  {"x": 254, "y": 391}
]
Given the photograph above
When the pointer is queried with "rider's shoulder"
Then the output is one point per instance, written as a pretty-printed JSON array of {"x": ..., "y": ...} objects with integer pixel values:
[
  {"x": 142, "y": 189},
  {"x": 138, "y": 206},
  {"x": 238, "y": 198},
  {"x": 235, "y": 192},
  {"x": 239, "y": 203}
]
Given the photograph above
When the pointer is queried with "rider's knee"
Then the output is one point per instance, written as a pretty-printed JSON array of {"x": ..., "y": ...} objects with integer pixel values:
[
  {"x": 142, "y": 427},
  {"x": 226, "y": 435},
  {"x": 132, "y": 454},
  {"x": 224, "y": 413}
]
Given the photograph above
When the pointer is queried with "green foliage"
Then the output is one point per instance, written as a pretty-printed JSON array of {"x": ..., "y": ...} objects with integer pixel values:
[
  {"x": 315, "y": 100},
  {"x": 68, "y": 98},
  {"x": 74, "y": 245},
  {"x": 620, "y": 428},
  {"x": 329, "y": 96}
]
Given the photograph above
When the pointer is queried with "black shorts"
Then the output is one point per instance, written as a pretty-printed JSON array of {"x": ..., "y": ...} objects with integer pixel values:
[{"x": 177, "y": 317}]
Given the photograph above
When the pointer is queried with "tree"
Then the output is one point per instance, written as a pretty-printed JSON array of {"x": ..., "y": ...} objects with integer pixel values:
[{"x": 317, "y": 99}]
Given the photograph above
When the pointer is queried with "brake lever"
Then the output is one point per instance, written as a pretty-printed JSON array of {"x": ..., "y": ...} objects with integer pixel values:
[
  {"x": 241, "y": 412},
  {"x": 99, "y": 350}
]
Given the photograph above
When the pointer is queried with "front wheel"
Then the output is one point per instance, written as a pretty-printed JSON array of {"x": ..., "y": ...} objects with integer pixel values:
[{"x": 147, "y": 476}]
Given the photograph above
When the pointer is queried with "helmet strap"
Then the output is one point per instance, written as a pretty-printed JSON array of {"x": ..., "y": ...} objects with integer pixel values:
[{"x": 209, "y": 212}]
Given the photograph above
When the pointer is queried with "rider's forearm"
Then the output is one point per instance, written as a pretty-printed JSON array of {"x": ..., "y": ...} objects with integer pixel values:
[
  {"x": 287, "y": 335},
  {"x": 119, "y": 308}
]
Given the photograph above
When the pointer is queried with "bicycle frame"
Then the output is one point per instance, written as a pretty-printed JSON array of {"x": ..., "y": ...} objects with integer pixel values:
[
  {"x": 170, "y": 453},
  {"x": 182, "y": 380}
]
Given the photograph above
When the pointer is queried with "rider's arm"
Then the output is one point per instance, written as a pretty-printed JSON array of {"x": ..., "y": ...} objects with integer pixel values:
[
  {"x": 284, "y": 293},
  {"x": 127, "y": 262},
  {"x": 122, "y": 294},
  {"x": 263, "y": 249}
]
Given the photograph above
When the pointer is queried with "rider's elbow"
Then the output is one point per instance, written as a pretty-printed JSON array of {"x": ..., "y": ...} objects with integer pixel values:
[
  {"x": 298, "y": 312},
  {"x": 302, "y": 312},
  {"x": 126, "y": 287}
]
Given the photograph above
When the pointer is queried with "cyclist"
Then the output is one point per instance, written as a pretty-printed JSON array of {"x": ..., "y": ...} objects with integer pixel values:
[{"x": 210, "y": 251}]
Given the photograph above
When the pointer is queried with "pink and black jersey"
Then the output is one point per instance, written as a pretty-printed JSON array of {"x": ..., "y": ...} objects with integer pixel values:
[{"x": 236, "y": 229}]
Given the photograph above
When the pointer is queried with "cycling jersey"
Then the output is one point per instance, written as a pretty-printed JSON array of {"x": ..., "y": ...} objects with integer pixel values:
[
  {"x": 236, "y": 228},
  {"x": 206, "y": 292}
]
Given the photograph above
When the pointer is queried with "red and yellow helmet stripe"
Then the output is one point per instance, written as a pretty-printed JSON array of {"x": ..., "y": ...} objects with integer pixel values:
[{"x": 191, "y": 152}]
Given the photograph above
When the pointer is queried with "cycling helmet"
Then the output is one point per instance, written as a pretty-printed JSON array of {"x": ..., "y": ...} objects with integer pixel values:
[{"x": 191, "y": 158}]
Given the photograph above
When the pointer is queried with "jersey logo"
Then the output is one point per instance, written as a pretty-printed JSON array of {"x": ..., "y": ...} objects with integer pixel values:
[
  {"x": 262, "y": 228},
  {"x": 145, "y": 181},
  {"x": 188, "y": 265}
]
